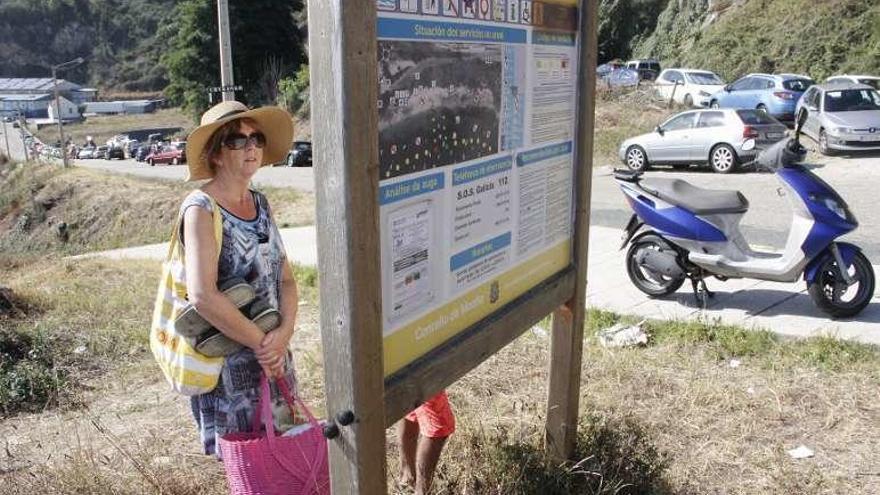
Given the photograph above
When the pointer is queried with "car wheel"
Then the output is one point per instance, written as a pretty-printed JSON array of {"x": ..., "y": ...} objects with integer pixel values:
[
  {"x": 636, "y": 159},
  {"x": 761, "y": 108},
  {"x": 150, "y": 161},
  {"x": 823, "y": 144},
  {"x": 723, "y": 159},
  {"x": 688, "y": 100},
  {"x": 714, "y": 104},
  {"x": 175, "y": 161}
]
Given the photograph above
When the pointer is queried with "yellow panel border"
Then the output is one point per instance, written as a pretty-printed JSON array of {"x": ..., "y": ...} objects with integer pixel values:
[{"x": 419, "y": 337}]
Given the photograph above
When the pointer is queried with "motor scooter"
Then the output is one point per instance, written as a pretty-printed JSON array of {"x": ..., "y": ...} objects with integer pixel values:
[{"x": 681, "y": 232}]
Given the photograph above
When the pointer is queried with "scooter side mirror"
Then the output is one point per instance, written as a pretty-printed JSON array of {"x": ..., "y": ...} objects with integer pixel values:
[{"x": 748, "y": 145}]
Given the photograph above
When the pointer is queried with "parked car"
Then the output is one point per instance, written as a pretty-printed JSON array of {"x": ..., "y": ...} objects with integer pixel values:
[
  {"x": 86, "y": 153},
  {"x": 842, "y": 116},
  {"x": 101, "y": 152},
  {"x": 604, "y": 70},
  {"x": 131, "y": 147},
  {"x": 872, "y": 81},
  {"x": 300, "y": 155},
  {"x": 142, "y": 152},
  {"x": 174, "y": 153},
  {"x": 689, "y": 87},
  {"x": 7, "y": 119},
  {"x": 647, "y": 68},
  {"x": 114, "y": 152},
  {"x": 715, "y": 137},
  {"x": 776, "y": 94}
]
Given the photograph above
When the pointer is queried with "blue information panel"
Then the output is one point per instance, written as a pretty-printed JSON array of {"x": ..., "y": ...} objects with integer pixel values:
[{"x": 476, "y": 122}]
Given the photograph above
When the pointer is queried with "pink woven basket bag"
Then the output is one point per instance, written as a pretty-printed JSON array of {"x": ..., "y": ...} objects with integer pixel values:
[{"x": 267, "y": 464}]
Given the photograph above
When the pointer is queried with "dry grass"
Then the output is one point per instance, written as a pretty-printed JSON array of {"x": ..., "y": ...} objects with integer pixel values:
[
  {"x": 103, "y": 127},
  {"x": 99, "y": 211},
  {"x": 673, "y": 417}
]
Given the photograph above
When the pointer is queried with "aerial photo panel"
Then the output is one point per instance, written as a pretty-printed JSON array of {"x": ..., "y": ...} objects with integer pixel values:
[{"x": 439, "y": 104}]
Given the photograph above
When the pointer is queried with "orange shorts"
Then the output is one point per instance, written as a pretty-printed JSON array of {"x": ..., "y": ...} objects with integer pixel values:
[{"x": 434, "y": 417}]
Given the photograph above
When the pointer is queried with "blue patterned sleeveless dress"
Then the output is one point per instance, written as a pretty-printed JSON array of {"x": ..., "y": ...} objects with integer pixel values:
[{"x": 251, "y": 250}]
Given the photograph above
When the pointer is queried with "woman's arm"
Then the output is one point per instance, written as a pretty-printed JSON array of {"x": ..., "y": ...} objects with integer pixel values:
[
  {"x": 276, "y": 343},
  {"x": 201, "y": 254}
]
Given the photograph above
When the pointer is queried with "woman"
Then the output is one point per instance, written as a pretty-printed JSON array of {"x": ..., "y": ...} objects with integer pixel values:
[{"x": 228, "y": 148}]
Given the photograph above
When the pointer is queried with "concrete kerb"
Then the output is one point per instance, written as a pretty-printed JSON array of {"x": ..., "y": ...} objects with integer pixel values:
[{"x": 785, "y": 309}]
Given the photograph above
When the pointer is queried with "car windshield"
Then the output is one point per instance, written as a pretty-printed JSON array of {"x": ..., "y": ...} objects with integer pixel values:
[
  {"x": 851, "y": 100},
  {"x": 874, "y": 83},
  {"x": 703, "y": 78},
  {"x": 797, "y": 84},
  {"x": 756, "y": 117}
]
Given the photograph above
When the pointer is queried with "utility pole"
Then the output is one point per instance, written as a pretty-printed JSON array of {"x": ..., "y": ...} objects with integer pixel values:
[
  {"x": 226, "y": 79},
  {"x": 55, "y": 69},
  {"x": 58, "y": 116},
  {"x": 6, "y": 137},
  {"x": 21, "y": 124}
]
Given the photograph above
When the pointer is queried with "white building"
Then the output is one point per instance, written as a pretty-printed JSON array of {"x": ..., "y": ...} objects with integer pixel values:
[{"x": 69, "y": 110}]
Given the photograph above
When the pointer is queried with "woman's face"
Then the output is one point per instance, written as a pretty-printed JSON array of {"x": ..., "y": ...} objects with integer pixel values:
[{"x": 245, "y": 161}]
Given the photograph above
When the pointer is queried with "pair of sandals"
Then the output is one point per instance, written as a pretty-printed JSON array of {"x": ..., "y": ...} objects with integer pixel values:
[{"x": 207, "y": 340}]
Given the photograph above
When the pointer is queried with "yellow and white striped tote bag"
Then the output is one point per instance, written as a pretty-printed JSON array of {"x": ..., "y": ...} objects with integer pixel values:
[{"x": 187, "y": 371}]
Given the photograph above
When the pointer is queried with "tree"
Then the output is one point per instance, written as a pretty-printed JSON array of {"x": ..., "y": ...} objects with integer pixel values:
[
  {"x": 624, "y": 23},
  {"x": 266, "y": 44}
]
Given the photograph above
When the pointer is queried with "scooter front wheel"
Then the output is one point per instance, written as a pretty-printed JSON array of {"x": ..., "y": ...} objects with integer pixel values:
[
  {"x": 650, "y": 282},
  {"x": 833, "y": 296}
]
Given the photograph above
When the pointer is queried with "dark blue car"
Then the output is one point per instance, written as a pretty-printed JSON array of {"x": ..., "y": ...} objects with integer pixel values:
[{"x": 776, "y": 94}]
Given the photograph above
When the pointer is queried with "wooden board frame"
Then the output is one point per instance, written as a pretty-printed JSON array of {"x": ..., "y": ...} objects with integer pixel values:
[{"x": 344, "y": 91}]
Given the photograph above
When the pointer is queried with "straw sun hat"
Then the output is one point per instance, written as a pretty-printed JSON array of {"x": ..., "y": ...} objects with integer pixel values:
[{"x": 274, "y": 122}]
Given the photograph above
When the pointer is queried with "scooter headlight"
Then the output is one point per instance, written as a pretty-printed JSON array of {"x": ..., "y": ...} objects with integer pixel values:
[{"x": 836, "y": 207}]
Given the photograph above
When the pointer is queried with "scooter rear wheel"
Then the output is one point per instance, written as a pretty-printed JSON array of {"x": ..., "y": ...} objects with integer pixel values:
[
  {"x": 646, "y": 280},
  {"x": 832, "y": 295}
]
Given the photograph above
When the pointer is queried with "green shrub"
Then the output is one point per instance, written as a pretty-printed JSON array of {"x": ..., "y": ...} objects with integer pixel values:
[
  {"x": 29, "y": 379},
  {"x": 613, "y": 456}
]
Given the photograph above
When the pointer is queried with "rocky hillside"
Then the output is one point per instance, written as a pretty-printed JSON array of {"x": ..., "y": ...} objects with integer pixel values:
[{"x": 733, "y": 37}]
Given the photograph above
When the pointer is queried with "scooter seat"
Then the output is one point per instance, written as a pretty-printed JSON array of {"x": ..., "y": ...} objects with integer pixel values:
[{"x": 695, "y": 199}]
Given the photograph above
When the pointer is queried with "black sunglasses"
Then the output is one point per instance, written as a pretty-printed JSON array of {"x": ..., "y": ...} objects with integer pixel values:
[{"x": 238, "y": 141}]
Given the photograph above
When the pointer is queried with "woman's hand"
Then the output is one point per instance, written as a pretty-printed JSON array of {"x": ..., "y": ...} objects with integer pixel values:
[{"x": 273, "y": 351}]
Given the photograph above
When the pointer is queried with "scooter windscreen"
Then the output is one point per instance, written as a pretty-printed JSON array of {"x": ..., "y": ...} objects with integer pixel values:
[{"x": 782, "y": 154}]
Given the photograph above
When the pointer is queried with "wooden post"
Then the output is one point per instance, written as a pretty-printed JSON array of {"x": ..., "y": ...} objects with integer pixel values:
[
  {"x": 342, "y": 42},
  {"x": 672, "y": 96},
  {"x": 567, "y": 336}
]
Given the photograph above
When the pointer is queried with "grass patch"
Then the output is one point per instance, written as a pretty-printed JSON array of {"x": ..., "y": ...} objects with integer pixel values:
[
  {"x": 104, "y": 127},
  {"x": 83, "y": 319},
  {"x": 613, "y": 456},
  {"x": 307, "y": 283},
  {"x": 726, "y": 341},
  {"x": 666, "y": 418},
  {"x": 48, "y": 210}
]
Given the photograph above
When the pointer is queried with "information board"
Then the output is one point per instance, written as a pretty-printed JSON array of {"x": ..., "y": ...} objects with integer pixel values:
[{"x": 477, "y": 106}]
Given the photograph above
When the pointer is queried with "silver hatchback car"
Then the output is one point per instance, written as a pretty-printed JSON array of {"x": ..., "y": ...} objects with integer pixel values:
[
  {"x": 713, "y": 136},
  {"x": 842, "y": 116}
]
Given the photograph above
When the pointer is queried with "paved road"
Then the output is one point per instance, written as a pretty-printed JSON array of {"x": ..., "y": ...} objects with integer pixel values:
[
  {"x": 299, "y": 178},
  {"x": 15, "y": 143},
  {"x": 857, "y": 179}
]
